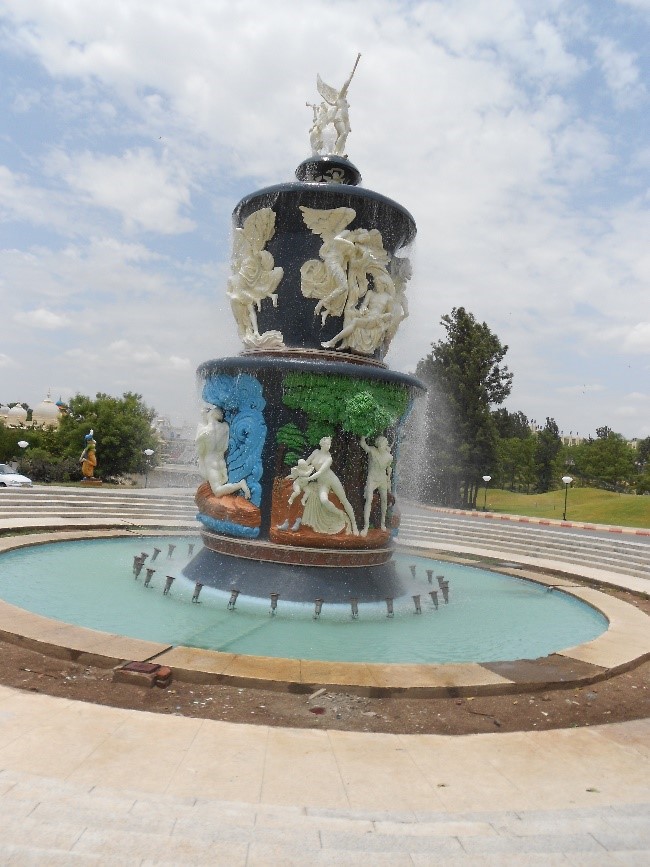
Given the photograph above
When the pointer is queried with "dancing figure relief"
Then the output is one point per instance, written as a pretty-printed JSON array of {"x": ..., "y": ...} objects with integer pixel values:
[
  {"x": 254, "y": 278},
  {"x": 380, "y": 471},
  {"x": 313, "y": 479},
  {"x": 331, "y": 116},
  {"x": 351, "y": 279}
]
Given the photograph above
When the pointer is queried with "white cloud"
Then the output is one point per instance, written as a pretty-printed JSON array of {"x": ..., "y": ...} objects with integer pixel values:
[
  {"x": 145, "y": 355},
  {"x": 177, "y": 363},
  {"x": 620, "y": 70},
  {"x": 6, "y": 361},
  {"x": 43, "y": 318},
  {"x": 21, "y": 200},
  {"x": 579, "y": 389},
  {"x": 147, "y": 192},
  {"x": 637, "y": 338}
]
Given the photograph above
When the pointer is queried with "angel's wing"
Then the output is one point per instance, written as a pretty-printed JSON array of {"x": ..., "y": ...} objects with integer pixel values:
[
  {"x": 329, "y": 94},
  {"x": 259, "y": 228},
  {"x": 327, "y": 223},
  {"x": 374, "y": 242},
  {"x": 241, "y": 249}
]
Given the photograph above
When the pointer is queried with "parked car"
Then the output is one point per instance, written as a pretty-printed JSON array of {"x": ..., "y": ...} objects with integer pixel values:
[{"x": 9, "y": 479}]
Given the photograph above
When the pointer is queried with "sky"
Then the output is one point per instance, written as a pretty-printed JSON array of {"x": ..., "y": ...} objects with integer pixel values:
[{"x": 515, "y": 132}]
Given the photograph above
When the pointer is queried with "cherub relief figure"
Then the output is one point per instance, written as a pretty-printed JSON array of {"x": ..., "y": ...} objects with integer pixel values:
[{"x": 254, "y": 278}]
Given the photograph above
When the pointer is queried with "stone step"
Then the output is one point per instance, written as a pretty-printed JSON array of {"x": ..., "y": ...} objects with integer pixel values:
[
  {"x": 547, "y": 539},
  {"x": 7, "y": 500},
  {"x": 513, "y": 530},
  {"x": 617, "y": 563},
  {"x": 46, "y": 821},
  {"x": 639, "y": 558},
  {"x": 101, "y": 513}
]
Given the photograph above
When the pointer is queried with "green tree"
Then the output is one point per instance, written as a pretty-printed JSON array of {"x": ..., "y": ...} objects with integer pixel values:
[
  {"x": 547, "y": 449},
  {"x": 607, "y": 461},
  {"x": 511, "y": 424},
  {"x": 516, "y": 463},
  {"x": 643, "y": 451},
  {"x": 122, "y": 428},
  {"x": 642, "y": 465},
  {"x": 466, "y": 377}
]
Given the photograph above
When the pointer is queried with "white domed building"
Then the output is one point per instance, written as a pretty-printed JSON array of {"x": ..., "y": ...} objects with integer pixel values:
[
  {"x": 17, "y": 416},
  {"x": 46, "y": 414}
]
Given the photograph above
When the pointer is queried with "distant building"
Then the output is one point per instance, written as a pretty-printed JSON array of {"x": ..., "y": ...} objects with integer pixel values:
[{"x": 46, "y": 414}]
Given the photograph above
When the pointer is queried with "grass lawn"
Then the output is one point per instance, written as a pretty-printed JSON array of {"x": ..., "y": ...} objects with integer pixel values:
[{"x": 583, "y": 504}]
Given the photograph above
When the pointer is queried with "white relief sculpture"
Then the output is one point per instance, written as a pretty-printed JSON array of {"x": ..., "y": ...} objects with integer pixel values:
[
  {"x": 316, "y": 479},
  {"x": 349, "y": 259},
  {"x": 212, "y": 439},
  {"x": 380, "y": 471},
  {"x": 332, "y": 112},
  {"x": 401, "y": 271},
  {"x": 366, "y": 325},
  {"x": 327, "y": 278},
  {"x": 300, "y": 474},
  {"x": 254, "y": 278}
]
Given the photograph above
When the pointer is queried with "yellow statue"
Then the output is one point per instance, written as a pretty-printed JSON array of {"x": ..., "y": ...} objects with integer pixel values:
[{"x": 88, "y": 459}]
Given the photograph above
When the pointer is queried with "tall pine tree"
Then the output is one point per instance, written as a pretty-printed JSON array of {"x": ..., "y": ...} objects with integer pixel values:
[{"x": 466, "y": 378}]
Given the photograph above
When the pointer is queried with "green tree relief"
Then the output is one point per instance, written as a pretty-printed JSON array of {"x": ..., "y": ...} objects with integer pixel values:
[{"x": 330, "y": 402}]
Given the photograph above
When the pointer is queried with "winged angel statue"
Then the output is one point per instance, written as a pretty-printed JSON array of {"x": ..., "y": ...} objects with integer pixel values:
[
  {"x": 350, "y": 261},
  {"x": 333, "y": 111},
  {"x": 254, "y": 278}
]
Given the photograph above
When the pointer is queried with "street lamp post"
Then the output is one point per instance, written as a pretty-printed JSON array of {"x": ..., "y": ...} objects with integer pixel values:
[
  {"x": 147, "y": 454},
  {"x": 486, "y": 479},
  {"x": 566, "y": 481},
  {"x": 23, "y": 445}
]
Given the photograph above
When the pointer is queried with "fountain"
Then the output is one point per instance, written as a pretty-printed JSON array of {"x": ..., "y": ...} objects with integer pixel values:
[
  {"x": 298, "y": 434},
  {"x": 297, "y": 445}
]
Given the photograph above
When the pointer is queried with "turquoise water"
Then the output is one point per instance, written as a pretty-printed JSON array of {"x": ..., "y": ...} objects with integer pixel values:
[{"x": 489, "y": 616}]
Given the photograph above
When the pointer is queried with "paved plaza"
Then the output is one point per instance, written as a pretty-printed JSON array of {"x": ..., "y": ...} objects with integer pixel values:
[{"x": 82, "y": 783}]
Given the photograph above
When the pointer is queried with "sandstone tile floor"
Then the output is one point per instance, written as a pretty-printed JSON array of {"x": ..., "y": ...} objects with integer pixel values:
[{"x": 84, "y": 784}]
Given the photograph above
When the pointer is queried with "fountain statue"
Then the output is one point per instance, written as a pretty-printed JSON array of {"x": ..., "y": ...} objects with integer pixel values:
[
  {"x": 88, "y": 459},
  {"x": 299, "y": 434}
]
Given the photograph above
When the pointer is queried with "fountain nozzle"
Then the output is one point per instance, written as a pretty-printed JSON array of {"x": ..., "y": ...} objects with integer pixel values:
[
  {"x": 169, "y": 580},
  {"x": 318, "y": 606},
  {"x": 147, "y": 580},
  {"x": 197, "y": 590},
  {"x": 233, "y": 599}
]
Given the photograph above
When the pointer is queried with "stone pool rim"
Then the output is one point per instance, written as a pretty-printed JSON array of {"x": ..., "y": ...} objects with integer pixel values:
[{"x": 624, "y": 644}]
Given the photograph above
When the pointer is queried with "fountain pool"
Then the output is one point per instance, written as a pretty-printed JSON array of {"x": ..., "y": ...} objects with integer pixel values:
[{"x": 490, "y": 617}]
